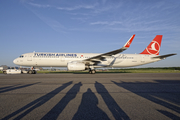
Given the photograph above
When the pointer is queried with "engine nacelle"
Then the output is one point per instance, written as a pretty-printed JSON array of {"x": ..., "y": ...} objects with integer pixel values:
[{"x": 76, "y": 66}]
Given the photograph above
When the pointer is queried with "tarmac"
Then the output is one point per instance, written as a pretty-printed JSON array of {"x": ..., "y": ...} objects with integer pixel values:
[{"x": 101, "y": 96}]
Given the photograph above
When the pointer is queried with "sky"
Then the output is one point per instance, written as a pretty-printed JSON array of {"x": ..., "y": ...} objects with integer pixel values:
[{"x": 88, "y": 26}]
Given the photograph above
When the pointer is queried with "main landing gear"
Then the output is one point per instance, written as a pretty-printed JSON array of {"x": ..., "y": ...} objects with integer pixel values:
[{"x": 92, "y": 71}]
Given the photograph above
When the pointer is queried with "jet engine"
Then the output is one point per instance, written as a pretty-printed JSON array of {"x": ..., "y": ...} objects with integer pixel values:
[{"x": 76, "y": 66}]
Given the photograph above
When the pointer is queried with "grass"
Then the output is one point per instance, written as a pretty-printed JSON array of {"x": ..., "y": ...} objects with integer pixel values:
[
  {"x": 130, "y": 70},
  {"x": 146, "y": 71}
]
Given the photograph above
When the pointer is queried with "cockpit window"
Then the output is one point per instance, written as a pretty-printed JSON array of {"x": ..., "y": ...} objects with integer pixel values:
[{"x": 21, "y": 56}]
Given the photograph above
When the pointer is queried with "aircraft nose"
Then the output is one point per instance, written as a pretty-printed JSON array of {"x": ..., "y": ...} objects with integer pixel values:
[{"x": 15, "y": 61}]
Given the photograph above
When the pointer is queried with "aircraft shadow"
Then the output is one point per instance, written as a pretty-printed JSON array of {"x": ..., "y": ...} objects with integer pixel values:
[
  {"x": 11, "y": 88},
  {"x": 59, "y": 107},
  {"x": 117, "y": 112},
  {"x": 36, "y": 103},
  {"x": 88, "y": 109},
  {"x": 158, "y": 92}
]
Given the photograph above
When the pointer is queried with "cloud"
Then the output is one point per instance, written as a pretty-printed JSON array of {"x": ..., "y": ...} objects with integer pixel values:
[
  {"x": 77, "y": 7},
  {"x": 117, "y": 16},
  {"x": 64, "y": 8},
  {"x": 107, "y": 8},
  {"x": 54, "y": 24},
  {"x": 99, "y": 23},
  {"x": 39, "y": 5},
  {"x": 106, "y": 23}
]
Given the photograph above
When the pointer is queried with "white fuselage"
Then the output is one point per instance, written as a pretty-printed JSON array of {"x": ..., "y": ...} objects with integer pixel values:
[{"x": 62, "y": 59}]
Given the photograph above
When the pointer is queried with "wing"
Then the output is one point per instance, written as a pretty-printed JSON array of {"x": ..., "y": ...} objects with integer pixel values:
[{"x": 102, "y": 57}]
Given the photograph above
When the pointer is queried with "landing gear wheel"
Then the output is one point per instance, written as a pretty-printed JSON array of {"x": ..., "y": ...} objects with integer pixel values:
[
  {"x": 92, "y": 71},
  {"x": 30, "y": 72},
  {"x": 34, "y": 72}
]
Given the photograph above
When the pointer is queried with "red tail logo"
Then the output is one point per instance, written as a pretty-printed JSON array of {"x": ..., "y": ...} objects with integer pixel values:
[{"x": 154, "y": 46}]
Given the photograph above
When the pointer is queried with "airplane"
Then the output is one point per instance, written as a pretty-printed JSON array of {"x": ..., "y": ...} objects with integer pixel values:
[{"x": 90, "y": 61}]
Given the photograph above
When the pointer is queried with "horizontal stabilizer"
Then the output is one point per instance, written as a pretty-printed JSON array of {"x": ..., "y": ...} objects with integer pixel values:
[{"x": 164, "y": 56}]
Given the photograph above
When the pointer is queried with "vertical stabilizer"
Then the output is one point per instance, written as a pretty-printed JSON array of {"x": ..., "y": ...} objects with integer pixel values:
[{"x": 154, "y": 47}]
